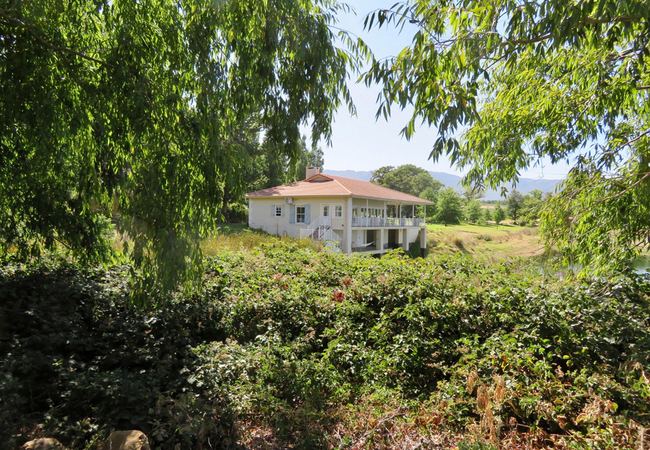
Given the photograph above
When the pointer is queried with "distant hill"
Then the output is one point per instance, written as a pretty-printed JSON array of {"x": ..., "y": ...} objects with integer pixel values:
[{"x": 524, "y": 186}]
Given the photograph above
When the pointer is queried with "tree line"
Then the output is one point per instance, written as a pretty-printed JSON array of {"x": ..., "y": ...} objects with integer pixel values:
[
  {"x": 453, "y": 207},
  {"x": 267, "y": 166}
]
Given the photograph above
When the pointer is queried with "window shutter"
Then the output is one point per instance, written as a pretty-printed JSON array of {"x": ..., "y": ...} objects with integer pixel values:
[
  {"x": 292, "y": 214},
  {"x": 282, "y": 211},
  {"x": 307, "y": 213},
  {"x": 272, "y": 210}
]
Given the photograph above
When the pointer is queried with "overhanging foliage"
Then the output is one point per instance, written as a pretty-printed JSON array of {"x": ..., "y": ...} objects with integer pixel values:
[
  {"x": 135, "y": 109},
  {"x": 508, "y": 83}
]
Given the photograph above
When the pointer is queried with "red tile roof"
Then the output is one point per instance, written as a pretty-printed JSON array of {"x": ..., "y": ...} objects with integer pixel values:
[{"x": 322, "y": 185}]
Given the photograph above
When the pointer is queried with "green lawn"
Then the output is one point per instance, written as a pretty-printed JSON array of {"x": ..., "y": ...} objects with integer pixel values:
[
  {"x": 492, "y": 230},
  {"x": 490, "y": 241},
  {"x": 239, "y": 237},
  {"x": 227, "y": 228}
]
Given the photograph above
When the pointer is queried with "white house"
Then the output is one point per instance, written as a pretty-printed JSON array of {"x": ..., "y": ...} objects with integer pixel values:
[{"x": 352, "y": 214}]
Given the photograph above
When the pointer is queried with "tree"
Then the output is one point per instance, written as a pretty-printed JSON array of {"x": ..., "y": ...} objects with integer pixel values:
[
  {"x": 266, "y": 167},
  {"x": 514, "y": 203},
  {"x": 430, "y": 194},
  {"x": 499, "y": 214},
  {"x": 449, "y": 206},
  {"x": 254, "y": 176},
  {"x": 380, "y": 174},
  {"x": 307, "y": 158},
  {"x": 534, "y": 80},
  {"x": 532, "y": 207},
  {"x": 487, "y": 216},
  {"x": 423, "y": 181},
  {"x": 145, "y": 103},
  {"x": 407, "y": 178},
  {"x": 473, "y": 211},
  {"x": 472, "y": 192}
]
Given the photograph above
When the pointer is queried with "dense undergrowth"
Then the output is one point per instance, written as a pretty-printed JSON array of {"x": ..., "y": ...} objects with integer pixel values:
[{"x": 291, "y": 347}]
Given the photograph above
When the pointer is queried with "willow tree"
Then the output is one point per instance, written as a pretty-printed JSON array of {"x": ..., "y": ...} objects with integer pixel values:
[
  {"x": 510, "y": 83},
  {"x": 138, "y": 108}
]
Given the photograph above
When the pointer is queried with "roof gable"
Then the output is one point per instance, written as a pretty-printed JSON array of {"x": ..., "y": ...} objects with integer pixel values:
[{"x": 319, "y": 177}]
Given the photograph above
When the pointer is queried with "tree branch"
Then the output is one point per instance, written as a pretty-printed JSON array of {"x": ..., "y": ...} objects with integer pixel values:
[
  {"x": 631, "y": 141},
  {"x": 57, "y": 48},
  {"x": 587, "y": 21},
  {"x": 527, "y": 41},
  {"x": 612, "y": 197}
]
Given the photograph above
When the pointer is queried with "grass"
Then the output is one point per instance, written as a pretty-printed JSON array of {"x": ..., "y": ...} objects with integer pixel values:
[
  {"x": 492, "y": 242},
  {"x": 234, "y": 237},
  {"x": 239, "y": 237},
  {"x": 230, "y": 228}
]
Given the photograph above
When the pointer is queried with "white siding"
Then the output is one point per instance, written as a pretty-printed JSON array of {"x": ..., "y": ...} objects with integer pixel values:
[{"x": 259, "y": 214}]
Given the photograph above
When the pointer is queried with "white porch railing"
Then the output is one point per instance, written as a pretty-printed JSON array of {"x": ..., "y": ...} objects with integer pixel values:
[
  {"x": 321, "y": 230},
  {"x": 330, "y": 235},
  {"x": 387, "y": 221},
  {"x": 318, "y": 226}
]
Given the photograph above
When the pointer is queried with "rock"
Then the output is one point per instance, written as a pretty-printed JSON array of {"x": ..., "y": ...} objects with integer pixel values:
[
  {"x": 43, "y": 444},
  {"x": 127, "y": 440}
]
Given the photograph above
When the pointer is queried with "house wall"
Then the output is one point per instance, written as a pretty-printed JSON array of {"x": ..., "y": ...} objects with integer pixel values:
[
  {"x": 412, "y": 234},
  {"x": 259, "y": 214},
  {"x": 358, "y": 237}
]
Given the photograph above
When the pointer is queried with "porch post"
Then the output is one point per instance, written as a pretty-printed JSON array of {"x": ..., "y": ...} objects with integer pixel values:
[
  {"x": 347, "y": 233},
  {"x": 423, "y": 239},
  {"x": 249, "y": 215},
  {"x": 368, "y": 218}
]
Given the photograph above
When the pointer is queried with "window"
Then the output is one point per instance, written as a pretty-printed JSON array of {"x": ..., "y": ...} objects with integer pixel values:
[
  {"x": 300, "y": 214},
  {"x": 338, "y": 210},
  {"x": 276, "y": 211},
  {"x": 326, "y": 210}
]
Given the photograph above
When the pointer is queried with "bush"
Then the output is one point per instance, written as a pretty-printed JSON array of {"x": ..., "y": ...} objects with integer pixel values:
[
  {"x": 236, "y": 213},
  {"x": 286, "y": 337},
  {"x": 80, "y": 361}
]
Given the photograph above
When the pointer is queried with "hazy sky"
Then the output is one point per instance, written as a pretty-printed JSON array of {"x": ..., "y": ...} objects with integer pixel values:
[{"x": 363, "y": 143}]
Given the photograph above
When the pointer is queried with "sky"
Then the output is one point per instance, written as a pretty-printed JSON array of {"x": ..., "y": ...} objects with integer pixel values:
[{"x": 364, "y": 143}]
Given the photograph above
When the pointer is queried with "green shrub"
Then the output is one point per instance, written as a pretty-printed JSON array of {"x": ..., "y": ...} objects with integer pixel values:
[
  {"x": 81, "y": 362},
  {"x": 286, "y": 335}
]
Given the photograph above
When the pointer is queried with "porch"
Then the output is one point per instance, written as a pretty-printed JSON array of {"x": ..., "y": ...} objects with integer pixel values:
[{"x": 381, "y": 222}]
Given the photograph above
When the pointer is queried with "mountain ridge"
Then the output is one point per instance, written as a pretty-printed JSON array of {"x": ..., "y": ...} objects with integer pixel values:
[{"x": 525, "y": 185}]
